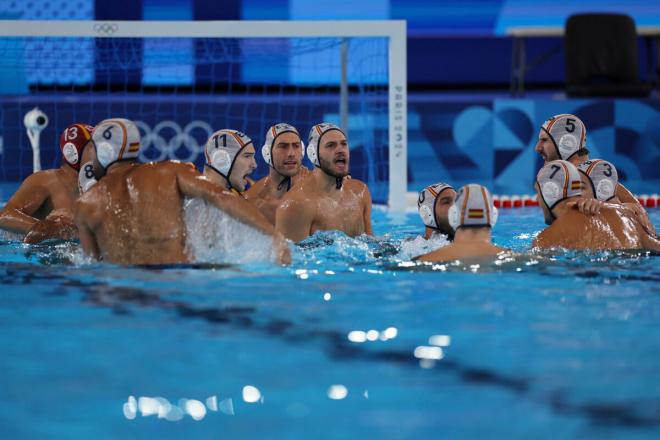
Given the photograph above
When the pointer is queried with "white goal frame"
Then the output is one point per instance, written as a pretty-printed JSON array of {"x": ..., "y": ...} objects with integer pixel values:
[{"x": 394, "y": 30}]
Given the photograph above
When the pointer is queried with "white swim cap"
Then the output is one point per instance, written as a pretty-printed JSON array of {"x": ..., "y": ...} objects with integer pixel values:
[
  {"x": 473, "y": 207},
  {"x": 116, "y": 139},
  {"x": 86, "y": 177},
  {"x": 222, "y": 148},
  {"x": 568, "y": 134},
  {"x": 271, "y": 136},
  {"x": 603, "y": 178},
  {"x": 314, "y": 141},
  {"x": 426, "y": 203},
  {"x": 558, "y": 180}
]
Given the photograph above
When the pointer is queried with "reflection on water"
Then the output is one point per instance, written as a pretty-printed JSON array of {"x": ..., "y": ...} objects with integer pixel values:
[{"x": 163, "y": 409}]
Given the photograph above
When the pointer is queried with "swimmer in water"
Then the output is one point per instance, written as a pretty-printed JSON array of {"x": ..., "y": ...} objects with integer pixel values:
[
  {"x": 472, "y": 217},
  {"x": 134, "y": 213},
  {"x": 564, "y": 137},
  {"x": 284, "y": 152},
  {"x": 230, "y": 160},
  {"x": 326, "y": 199},
  {"x": 42, "y": 208},
  {"x": 433, "y": 206},
  {"x": 558, "y": 184}
]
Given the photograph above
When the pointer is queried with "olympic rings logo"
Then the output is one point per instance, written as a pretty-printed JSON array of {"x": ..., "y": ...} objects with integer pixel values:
[
  {"x": 106, "y": 28},
  {"x": 180, "y": 139}
]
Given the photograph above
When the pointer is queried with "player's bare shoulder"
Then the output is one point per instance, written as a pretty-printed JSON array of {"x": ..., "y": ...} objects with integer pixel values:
[
  {"x": 356, "y": 186},
  {"x": 44, "y": 179},
  {"x": 297, "y": 194},
  {"x": 297, "y": 202},
  {"x": 257, "y": 189}
]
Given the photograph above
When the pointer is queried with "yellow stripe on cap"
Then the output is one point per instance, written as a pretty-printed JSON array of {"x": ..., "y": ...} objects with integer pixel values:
[
  {"x": 486, "y": 204},
  {"x": 593, "y": 164},
  {"x": 134, "y": 147},
  {"x": 238, "y": 139},
  {"x": 123, "y": 142},
  {"x": 86, "y": 132},
  {"x": 576, "y": 184},
  {"x": 565, "y": 191}
]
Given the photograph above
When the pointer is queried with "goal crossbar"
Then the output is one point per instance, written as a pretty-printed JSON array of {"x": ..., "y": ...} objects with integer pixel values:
[{"x": 394, "y": 30}]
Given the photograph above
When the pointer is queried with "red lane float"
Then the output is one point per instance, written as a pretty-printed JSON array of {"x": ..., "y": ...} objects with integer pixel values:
[{"x": 517, "y": 201}]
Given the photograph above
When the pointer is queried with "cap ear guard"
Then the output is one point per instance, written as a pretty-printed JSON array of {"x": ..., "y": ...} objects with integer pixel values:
[
  {"x": 220, "y": 160},
  {"x": 265, "y": 153},
  {"x": 453, "y": 216},
  {"x": 312, "y": 153},
  {"x": 427, "y": 216},
  {"x": 105, "y": 153},
  {"x": 568, "y": 145},
  {"x": 551, "y": 194},
  {"x": 494, "y": 215},
  {"x": 605, "y": 190},
  {"x": 425, "y": 208},
  {"x": 70, "y": 153}
]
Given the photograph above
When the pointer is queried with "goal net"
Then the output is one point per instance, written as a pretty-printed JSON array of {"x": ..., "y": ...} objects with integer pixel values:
[{"x": 181, "y": 81}]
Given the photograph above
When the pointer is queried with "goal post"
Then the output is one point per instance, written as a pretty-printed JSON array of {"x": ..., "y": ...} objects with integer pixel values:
[{"x": 392, "y": 30}]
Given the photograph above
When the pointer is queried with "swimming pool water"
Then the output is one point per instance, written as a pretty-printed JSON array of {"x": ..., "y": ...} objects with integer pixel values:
[{"x": 550, "y": 346}]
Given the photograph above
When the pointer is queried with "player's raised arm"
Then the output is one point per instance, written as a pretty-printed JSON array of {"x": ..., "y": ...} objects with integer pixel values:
[
  {"x": 16, "y": 216},
  {"x": 630, "y": 201},
  {"x": 294, "y": 219}
]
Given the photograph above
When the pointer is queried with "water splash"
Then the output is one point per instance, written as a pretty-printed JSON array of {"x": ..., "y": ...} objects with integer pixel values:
[
  {"x": 213, "y": 236},
  {"x": 10, "y": 236},
  {"x": 414, "y": 247}
]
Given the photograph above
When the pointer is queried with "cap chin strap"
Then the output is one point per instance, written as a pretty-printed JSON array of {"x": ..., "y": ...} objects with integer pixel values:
[
  {"x": 435, "y": 217},
  {"x": 230, "y": 187},
  {"x": 286, "y": 180}
]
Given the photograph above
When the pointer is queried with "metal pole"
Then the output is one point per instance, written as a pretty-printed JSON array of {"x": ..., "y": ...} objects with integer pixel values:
[{"x": 343, "y": 88}]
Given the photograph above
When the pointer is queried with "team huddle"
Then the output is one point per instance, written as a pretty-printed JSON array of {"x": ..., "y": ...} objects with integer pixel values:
[
  {"x": 583, "y": 203},
  {"x": 131, "y": 213}
]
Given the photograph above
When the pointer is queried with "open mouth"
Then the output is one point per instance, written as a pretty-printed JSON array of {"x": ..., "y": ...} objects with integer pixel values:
[{"x": 341, "y": 162}]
